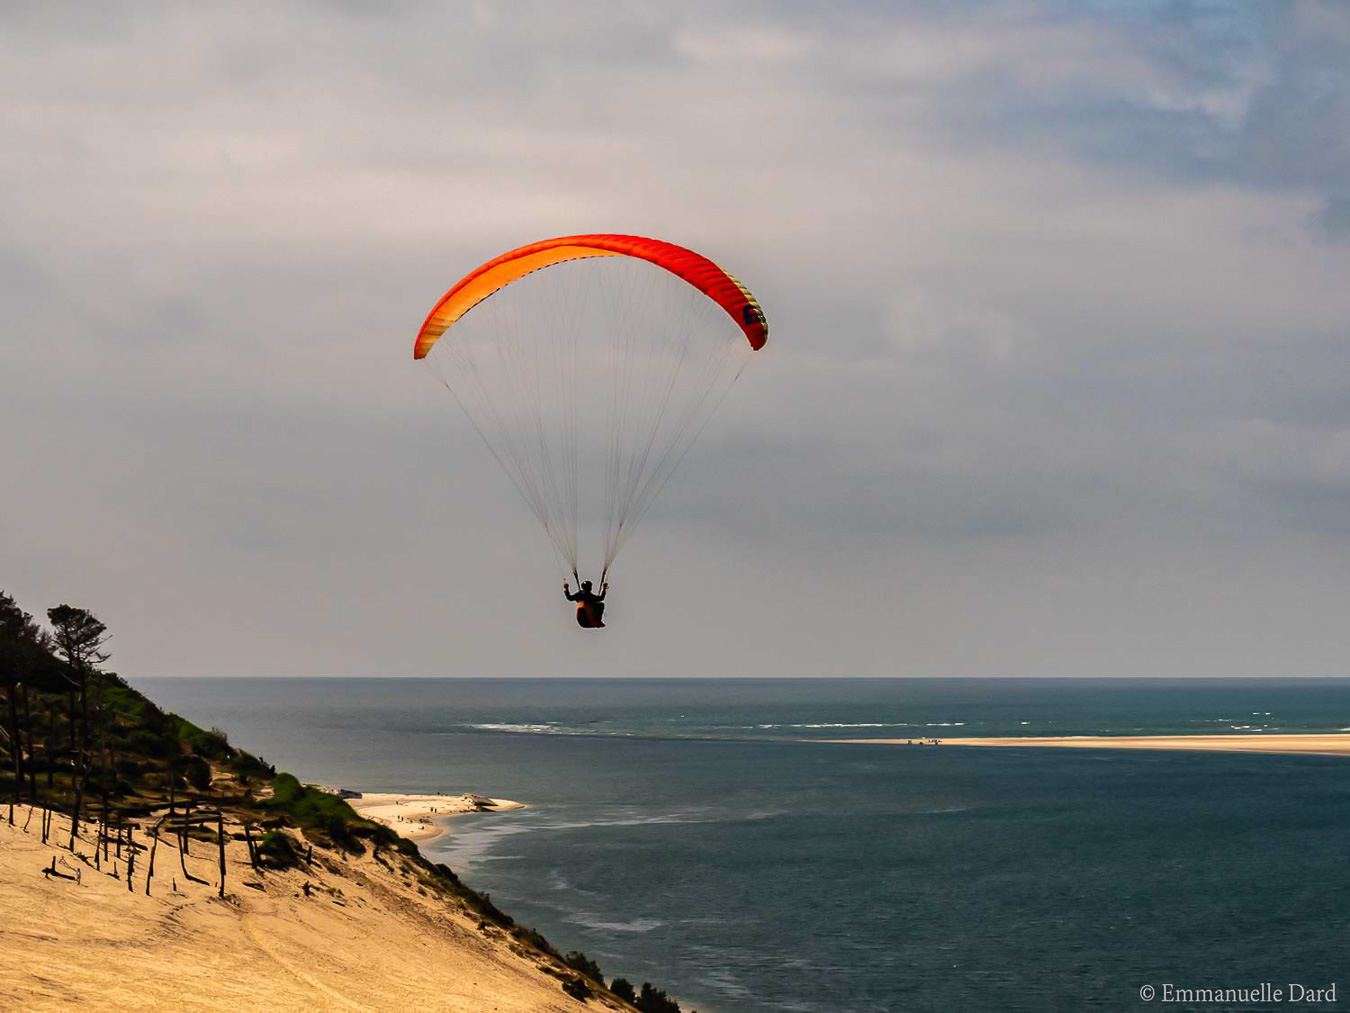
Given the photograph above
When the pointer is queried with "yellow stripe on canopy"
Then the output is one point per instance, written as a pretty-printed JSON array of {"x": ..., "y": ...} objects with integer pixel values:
[{"x": 478, "y": 287}]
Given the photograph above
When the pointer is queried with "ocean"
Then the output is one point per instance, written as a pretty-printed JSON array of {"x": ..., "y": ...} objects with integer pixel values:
[{"x": 698, "y": 834}]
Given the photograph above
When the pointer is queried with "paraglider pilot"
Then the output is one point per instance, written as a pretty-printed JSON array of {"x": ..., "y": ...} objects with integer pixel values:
[{"x": 590, "y": 606}]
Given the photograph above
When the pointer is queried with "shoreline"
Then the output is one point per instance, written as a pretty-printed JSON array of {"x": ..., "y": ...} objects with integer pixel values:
[
  {"x": 1314, "y": 743},
  {"x": 419, "y": 817}
]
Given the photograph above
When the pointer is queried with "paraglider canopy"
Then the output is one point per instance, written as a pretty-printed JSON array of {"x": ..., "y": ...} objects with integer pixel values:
[
  {"x": 589, "y": 364},
  {"x": 499, "y": 272}
]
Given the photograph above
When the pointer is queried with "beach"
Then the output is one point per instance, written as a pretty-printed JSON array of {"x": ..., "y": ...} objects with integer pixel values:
[
  {"x": 1331, "y": 744},
  {"x": 345, "y": 933},
  {"x": 417, "y": 817}
]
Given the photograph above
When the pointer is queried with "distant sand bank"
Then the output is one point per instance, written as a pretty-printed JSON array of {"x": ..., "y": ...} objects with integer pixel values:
[
  {"x": 347, "y": 933},
  {"x": 414, "y": 816},
  {"x": 1335, "y": 744}
]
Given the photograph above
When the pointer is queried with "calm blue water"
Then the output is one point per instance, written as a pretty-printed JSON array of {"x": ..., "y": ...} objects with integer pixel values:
[{"x": 693, "y": 834}]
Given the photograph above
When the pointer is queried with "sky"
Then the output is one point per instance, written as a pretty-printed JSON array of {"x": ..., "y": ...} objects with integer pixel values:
[{"x": 1056, "y": 383}]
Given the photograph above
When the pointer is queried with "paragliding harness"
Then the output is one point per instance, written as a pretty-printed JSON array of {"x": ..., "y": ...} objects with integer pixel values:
[
  {"x": 591, "y": 615},
  {"x": 590, "y": 606}
]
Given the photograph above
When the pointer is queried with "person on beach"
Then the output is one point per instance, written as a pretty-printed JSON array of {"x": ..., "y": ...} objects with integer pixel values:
[{"x": 590, "y": 606}]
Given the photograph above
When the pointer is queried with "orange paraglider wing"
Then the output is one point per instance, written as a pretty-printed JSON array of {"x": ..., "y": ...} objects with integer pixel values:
[{"x": 496, "y": 274}]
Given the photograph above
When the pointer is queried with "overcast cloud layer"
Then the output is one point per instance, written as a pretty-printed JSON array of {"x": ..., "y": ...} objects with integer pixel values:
[{"x": 1057, "y": 383}]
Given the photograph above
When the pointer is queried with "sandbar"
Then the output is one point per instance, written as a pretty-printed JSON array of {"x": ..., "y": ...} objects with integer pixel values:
[
  {"x": 416, "y": 816},
  {"x": 1325, "y": 744}
]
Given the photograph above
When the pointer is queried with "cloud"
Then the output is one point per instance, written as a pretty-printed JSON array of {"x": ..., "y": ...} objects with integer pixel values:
[
  {"x": 1057, "y": 301},
  {"x": 1332, "y": 220}
]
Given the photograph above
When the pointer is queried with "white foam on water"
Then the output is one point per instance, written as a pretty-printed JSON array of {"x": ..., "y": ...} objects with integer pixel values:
[
  {"x": 503, "y": 726},
  {"x": 636, "y": 925}
]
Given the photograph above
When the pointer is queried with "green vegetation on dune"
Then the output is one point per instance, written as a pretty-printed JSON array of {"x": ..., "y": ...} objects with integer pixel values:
[
  {"x": 277, "y": 851},
  {"x": 74, "y": 734},
  {"x": 325, "y": 813},
  {"x": 308, "y": 805}
]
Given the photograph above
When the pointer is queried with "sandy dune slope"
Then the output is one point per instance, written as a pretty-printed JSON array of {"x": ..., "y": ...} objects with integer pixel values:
[{"x": 367, "y": 937}]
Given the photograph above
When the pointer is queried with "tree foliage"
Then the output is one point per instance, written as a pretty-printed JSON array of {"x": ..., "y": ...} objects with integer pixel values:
[
  {"x": 277, "y": 850},
  {"x": 21, "y": 644},
  {"x": 654, "y": 1000},
  {"x": 18, "y": 633},
  {"x": 580, "y": 962},
  {"x": 578, "y": 989},
  {"x": 78, "y": 636},
  {"x": 197, "y": 772}
]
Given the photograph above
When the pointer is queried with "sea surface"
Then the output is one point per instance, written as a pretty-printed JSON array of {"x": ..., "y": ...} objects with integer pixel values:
[{"x": 700, "y": 835}]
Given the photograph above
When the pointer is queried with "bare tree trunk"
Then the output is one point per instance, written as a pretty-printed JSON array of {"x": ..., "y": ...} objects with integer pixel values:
[
  {"x": 131, "y": 856},
  {"x": 84, "y": 709},
  {"x": 70, "y": 713},
  {"x": 220, "y": 829},
  {"x": 49, "y": 749},
  {"x": 103, "y": 750},
  {"x": 183, "y": 850},
  {"x": 182, "y": 845},
  {"x": 150, "y": 873},
  {"x": 79, "y": 799},
  {"x": 15, "y": 750},
  {"x": 81, "y": 752},
  {"x": 252, "y": 851},
  {"x": 28, "y": 723}
]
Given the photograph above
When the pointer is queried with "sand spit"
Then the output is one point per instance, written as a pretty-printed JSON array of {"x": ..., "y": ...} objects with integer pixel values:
[
  {"x": 366, "y": 936},
  {"x": 1322, "y": 744},
  {"x": 415, "y": 816}
]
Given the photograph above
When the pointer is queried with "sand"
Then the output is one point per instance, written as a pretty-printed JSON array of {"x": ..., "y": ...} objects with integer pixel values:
[
  {"x": 367, "y": 938},
  {"x": 416, "y": 816},
  {"x": 1323, "y": 744}
]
